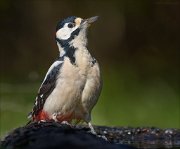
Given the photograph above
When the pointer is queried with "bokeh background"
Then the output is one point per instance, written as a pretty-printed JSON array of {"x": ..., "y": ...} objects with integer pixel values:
[{"x": 137, "y": 44}]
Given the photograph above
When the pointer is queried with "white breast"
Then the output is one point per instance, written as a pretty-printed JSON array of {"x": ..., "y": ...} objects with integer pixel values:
[
  {"x": 77, "y": 87},
  {"x": 67, "y": 92}
]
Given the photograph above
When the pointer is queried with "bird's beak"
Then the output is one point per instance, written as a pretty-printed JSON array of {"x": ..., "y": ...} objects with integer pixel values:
[
  {"x": 89, "y": 20},
  {"x": 92, "y": 19}
]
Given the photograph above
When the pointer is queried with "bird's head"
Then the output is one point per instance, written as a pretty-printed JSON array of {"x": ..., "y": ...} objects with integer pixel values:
[{"x": 72, "y": 31}]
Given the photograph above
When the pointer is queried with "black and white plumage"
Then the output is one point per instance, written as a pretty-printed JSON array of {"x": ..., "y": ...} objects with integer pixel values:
[
  {"x": 73, "y": 83},
  {"x": 47, "y": 86}
]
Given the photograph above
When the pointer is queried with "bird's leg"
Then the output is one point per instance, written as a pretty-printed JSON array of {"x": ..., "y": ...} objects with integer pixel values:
[
  {"x": 64, "y": 118},
  {"x": 91, "y": 128},
  {"x": 54, "y": 117},
  {"x": 94, "y": 132}
]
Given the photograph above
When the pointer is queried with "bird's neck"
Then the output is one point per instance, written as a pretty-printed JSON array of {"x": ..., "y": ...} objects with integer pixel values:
[
  {"x": 76, "y": 51},
  {"x": 67, "y": 51},
  {"x": 80, "y": 41}
]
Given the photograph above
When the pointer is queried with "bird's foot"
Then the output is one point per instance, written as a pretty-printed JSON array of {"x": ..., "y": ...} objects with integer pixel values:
[
  {"x": 54, "y": 117},
  {"x": 103, "y": 137},
  {"x": 41, "y": 121},
  {"x": 94, "y": 132},
  {"x": 66, "y": 123},
  {"x": 92, "y": 129}
]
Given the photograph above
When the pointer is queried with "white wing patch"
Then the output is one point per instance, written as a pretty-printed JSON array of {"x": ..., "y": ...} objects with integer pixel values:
[{"x": 56, "y": 63}]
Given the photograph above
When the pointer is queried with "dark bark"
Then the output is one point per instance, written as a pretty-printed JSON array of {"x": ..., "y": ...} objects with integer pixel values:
[{"x": 45, "y": 135}]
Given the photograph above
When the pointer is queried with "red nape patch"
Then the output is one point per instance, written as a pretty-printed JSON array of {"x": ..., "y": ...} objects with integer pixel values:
[{"x": 42, "y": 115}]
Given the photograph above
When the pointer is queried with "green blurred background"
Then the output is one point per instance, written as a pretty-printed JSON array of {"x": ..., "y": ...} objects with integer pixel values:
[{"x": 137, "y": 44}]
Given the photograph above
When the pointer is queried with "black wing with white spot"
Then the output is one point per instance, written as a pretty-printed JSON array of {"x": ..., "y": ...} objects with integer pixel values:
[{"x": 47, "y": 87}]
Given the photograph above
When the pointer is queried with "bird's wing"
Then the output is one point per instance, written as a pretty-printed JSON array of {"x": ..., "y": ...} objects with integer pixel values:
[{"x": 46, "y": 87}]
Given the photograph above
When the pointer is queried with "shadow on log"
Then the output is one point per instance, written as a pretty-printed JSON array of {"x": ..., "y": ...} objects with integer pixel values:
[{"x": 45, "y": 135}]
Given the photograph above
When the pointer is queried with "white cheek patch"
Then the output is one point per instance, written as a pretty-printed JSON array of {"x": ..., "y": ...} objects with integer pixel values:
[{"x": 65, "y": 32}]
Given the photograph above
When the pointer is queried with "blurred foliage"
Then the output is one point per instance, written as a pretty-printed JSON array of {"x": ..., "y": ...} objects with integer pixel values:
[{"x": 135, "y": 42}]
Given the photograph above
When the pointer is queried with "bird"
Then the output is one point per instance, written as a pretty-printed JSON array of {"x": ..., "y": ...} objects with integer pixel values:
[{"x": 73, "y": 83}]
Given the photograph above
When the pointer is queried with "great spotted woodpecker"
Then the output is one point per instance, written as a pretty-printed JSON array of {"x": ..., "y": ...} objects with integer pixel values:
[{"x": 73, "y": 83}]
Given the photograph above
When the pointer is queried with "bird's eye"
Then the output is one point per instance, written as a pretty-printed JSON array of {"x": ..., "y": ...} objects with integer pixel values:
[{"x": 71, "y": 25}]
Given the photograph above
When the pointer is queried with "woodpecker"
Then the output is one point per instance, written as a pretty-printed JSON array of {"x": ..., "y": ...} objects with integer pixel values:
[{"x": 73, "y": 82}]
